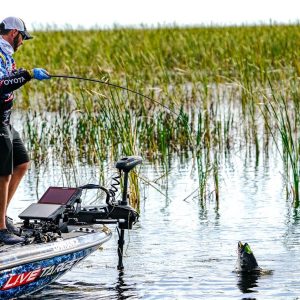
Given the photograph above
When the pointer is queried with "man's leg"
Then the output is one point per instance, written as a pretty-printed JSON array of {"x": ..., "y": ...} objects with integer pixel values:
[
  {"x": 4, "y": 187},
  {"x": 8, "y": 187},
  {"x": 20, "y": 162},
  {"x": 19, "y": 172},
  {"x": 6, "y": 236}
]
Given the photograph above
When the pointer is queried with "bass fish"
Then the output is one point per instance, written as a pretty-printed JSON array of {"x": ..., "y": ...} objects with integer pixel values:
[{"x": 246, "y": 262}]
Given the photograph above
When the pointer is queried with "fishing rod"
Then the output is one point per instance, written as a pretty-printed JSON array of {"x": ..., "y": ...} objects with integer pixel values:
[{"x": 115, "y": 86}]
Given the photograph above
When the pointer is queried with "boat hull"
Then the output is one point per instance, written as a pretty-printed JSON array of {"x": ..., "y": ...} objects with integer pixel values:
[{"x": 27, "y": 269}]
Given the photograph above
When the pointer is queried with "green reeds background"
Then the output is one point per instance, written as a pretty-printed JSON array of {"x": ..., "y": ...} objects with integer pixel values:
[{"x": 213, "y": 80}]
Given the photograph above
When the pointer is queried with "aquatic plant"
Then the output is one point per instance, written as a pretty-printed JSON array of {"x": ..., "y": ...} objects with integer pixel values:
[
  {"x": 283, "y": 114},
  {"x": 207, "y": 81}
]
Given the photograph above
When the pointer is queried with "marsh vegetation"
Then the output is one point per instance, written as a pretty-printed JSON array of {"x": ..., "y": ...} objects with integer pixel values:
[{"x": 225, "y": 89}]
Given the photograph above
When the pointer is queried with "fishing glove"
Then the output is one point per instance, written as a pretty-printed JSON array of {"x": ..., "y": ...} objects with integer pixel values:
[{"x": 40, "y": 74}]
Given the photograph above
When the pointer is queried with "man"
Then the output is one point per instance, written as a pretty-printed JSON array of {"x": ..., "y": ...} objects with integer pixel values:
[{"x": 14, "y": 160}]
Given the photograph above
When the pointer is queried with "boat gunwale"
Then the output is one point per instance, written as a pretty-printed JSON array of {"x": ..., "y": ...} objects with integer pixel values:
[{"x": 43, "y": 256}]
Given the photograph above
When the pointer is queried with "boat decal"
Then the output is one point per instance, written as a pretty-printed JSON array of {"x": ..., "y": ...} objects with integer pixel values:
[
  {"x": 21, "y": 279},
  {"x": 64, "y": 245},
  {"x": 27, "y": 277}
]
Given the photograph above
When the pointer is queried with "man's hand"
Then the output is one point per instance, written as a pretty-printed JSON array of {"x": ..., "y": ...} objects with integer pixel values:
[{"x": 40, "y": 74}]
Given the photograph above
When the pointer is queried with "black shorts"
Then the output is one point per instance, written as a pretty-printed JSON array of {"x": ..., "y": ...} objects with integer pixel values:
[{"x": 12, "y": 150}]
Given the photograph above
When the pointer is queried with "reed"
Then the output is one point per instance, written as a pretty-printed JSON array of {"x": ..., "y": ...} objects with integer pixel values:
[
  {"x": 210, "y": 78},
  {"x": 283, "y": 113}
]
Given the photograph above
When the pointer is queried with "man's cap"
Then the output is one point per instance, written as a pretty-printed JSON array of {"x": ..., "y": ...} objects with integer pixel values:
[{"x": 16, "y": 23}]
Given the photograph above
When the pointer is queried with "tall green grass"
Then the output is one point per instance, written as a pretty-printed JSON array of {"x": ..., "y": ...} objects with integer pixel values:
[
  {"x": 212, "y": 79},
  {"x": 281, "y": 115}
]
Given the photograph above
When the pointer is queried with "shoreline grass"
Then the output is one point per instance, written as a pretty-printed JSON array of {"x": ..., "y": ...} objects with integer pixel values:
[{"x": 211, "y": 79}]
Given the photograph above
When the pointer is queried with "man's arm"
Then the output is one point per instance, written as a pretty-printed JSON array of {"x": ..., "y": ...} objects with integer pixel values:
[{"x": 13, "y": 82}]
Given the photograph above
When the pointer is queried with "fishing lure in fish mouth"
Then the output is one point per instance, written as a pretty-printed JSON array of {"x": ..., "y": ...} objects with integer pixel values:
[{"x": 246, "y": 261}]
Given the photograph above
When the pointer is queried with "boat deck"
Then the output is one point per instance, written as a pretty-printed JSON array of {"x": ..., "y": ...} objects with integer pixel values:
[{"x": 73, "y": 232}]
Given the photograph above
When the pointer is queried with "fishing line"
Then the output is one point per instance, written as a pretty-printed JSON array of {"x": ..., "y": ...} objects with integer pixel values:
[
  {"x": 126, "y": 89},
  {"x": 115, "y": 86},
  {"x": 129, "y": 90}
]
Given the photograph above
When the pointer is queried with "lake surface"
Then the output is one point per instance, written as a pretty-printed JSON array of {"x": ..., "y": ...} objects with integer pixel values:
[{"x": 182, "y": 249}]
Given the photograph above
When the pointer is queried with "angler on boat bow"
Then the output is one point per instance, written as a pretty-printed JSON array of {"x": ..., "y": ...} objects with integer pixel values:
[{"x": 14, "y": 158}]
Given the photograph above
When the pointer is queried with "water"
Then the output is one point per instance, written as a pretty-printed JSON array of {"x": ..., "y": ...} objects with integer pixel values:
[{"x": 181, "y": 249}]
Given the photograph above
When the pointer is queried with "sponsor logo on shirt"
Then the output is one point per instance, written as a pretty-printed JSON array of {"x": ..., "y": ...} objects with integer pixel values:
[{"x": 14, "y": 80}]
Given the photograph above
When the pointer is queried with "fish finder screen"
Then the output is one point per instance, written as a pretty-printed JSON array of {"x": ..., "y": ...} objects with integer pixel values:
[{"x": 60, "y": 195}]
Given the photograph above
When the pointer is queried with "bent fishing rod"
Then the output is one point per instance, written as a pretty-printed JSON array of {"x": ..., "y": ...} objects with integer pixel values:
[
  {"x": 123, "y": 88},
  {"x": 115, "y": 86}
]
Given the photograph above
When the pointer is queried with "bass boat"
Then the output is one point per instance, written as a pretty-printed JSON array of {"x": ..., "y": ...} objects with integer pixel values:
[{"x": 59, "y": 233}]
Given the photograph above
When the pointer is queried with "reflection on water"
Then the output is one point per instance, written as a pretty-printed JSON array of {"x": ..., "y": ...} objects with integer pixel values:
[
  {"x": 185, "y": 249},
  {"x": 248, "y": 282},
  {"x": 82, "y": 290}
]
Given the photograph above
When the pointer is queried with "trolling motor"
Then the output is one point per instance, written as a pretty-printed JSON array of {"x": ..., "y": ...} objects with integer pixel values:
[
  {"x": 60, "y": 208},
  {"x": 114, "y": 212}
]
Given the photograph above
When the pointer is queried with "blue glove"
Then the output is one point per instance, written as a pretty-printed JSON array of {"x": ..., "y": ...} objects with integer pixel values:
[{"x": 40, "y": 74}]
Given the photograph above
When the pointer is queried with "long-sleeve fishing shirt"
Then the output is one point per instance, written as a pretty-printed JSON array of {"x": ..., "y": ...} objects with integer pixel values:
[{"x": 10, "y": 80}]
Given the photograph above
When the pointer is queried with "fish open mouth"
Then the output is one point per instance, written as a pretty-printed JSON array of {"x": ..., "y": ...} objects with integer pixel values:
[{"x": 244, "y": 248}]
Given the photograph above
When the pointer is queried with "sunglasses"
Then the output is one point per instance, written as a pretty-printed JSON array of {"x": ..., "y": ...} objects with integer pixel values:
[{"x": 23, "y": 35}]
